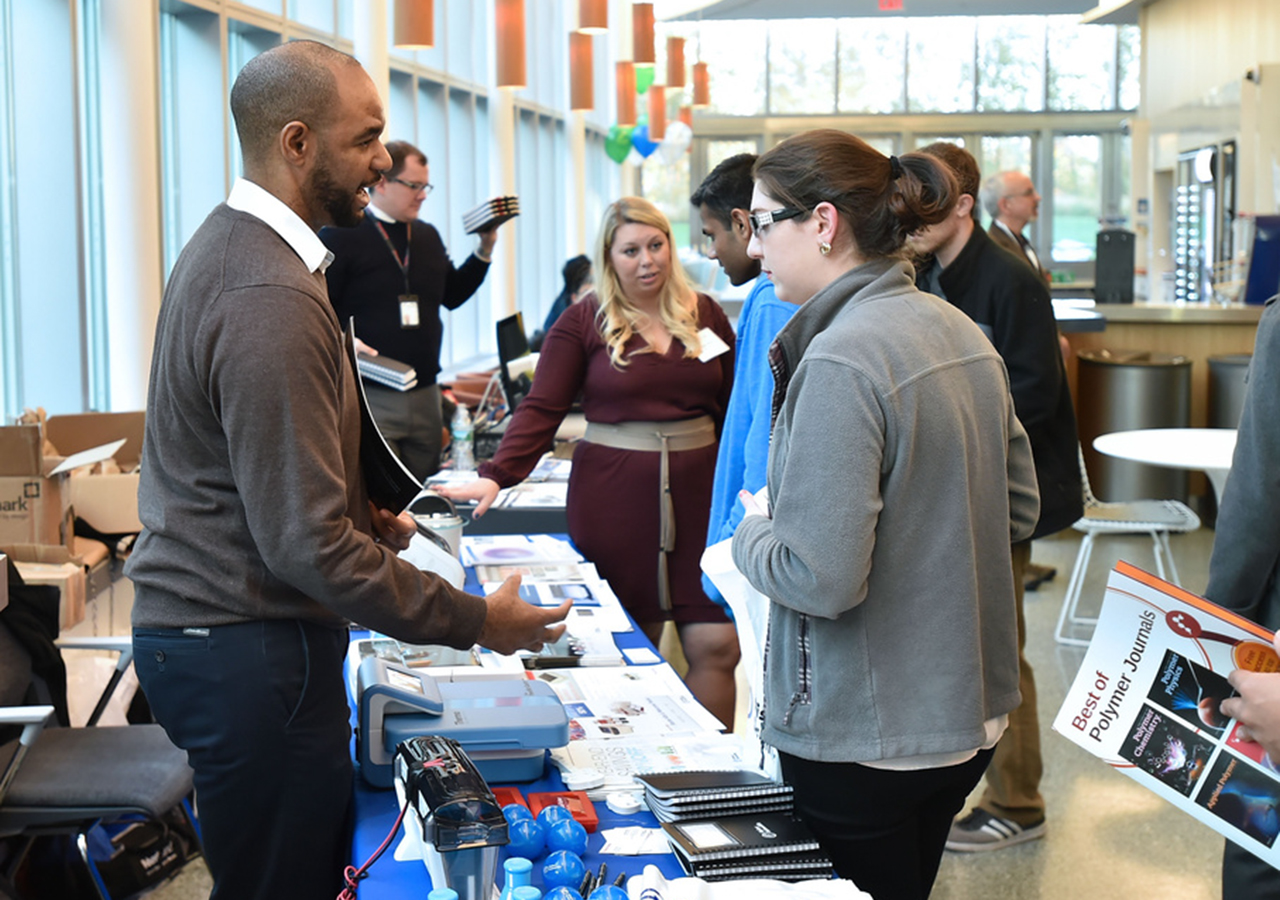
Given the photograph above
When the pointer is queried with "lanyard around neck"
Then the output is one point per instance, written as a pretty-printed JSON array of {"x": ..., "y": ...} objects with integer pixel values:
[{"x": 408, "y": 239}]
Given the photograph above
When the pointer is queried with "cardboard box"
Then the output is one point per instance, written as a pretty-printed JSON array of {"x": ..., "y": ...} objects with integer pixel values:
[
  {"x": 44, "y": 564},
  {"x": 34, "y": 502},
  {"x": 106, "y": 500}
]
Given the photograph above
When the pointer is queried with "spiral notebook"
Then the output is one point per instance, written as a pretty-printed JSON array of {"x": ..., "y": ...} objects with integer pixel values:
[
  {"x": 788, "y": 867},
  {"x": 760, "y": 837}
]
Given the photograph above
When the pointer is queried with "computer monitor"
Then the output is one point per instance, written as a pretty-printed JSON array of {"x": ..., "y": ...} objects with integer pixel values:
[
  {"x": 1263, "y": 280},
  {"x": 512, "y": 345}
]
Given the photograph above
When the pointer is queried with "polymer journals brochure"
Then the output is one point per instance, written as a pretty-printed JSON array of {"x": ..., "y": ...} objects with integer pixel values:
[{"x": 1147, "y": 701}]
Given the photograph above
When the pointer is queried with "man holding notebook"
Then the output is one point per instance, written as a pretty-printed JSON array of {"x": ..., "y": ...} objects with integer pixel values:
[{"x": 393, "y": 275}]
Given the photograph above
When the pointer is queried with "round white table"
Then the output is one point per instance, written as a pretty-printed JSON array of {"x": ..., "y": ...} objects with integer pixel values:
[{"x": 1207, "y": 449}]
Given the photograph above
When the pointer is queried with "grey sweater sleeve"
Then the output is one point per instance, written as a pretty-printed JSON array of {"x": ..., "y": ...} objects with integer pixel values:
[
  {"x": 276, "y": 384},
  {"x": 1246, "y": 548},
  {"x": 815, "y": 550}
]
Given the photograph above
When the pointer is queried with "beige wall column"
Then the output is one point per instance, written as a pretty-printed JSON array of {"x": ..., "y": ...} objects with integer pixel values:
[
  {"x": 369, "y": 37},
  {"x": 132, "y": 237},
  {"x": 502, "y": 116}
]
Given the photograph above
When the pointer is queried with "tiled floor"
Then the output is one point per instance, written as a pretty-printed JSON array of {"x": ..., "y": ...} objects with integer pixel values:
[{"x": 1107, "y": 837}]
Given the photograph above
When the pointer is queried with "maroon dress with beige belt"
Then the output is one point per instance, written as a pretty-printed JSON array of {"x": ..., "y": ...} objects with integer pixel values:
[{"x": 612, "y": 505}]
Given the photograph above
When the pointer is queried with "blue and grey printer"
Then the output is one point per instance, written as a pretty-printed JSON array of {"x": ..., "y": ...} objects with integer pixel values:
[{"x": 505, "y": 725}]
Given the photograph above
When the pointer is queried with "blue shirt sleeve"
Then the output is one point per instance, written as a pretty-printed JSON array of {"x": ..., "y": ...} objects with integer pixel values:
[{"x": 743, "y": 457}]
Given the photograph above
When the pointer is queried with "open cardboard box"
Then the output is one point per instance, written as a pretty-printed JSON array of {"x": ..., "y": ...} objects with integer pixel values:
[
  {"x": 67, "y": 570},
  {"x": 34, "y": 500},
  {"x": 108, "y": 501}
]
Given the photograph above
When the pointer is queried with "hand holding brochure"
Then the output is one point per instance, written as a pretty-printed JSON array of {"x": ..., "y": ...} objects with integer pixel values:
[{"x": 1147, "y": 700}]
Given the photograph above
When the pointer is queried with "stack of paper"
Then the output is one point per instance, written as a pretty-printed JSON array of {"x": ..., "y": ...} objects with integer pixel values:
[
  {"x": 491, "y": 214},
  {"x": 387, "y": 371}
]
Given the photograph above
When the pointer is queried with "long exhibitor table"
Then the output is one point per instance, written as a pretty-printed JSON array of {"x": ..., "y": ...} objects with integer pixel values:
[{"x": 376, "y": 812}]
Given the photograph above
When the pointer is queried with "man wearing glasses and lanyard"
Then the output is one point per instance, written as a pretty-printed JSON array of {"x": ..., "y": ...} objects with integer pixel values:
[{"x": 393, "y": 274}]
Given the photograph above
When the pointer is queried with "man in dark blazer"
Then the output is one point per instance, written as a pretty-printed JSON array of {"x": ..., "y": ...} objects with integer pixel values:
[
  {"x": 1011, "y": 305},
  {"x": 1011, "y": 200}
]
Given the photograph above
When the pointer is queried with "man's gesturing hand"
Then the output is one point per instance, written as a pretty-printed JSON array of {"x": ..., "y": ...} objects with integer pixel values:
[{"x": 512, "y": 624}]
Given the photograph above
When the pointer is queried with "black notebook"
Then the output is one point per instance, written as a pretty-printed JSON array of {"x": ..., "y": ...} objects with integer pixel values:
[
  {"x": 735, "y": 807},
  {"x": 740, "y": 837},
  {"x": 664, "y": 785},
  {"x": 387, "y": 371},
  {"x": 788, "y": 867}
]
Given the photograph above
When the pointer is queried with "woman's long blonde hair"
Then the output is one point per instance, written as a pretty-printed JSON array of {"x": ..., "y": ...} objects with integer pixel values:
[{"x": 619, "y": 318}]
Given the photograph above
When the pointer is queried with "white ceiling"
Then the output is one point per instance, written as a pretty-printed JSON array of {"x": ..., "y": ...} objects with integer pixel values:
[{"x": 790, "y": 9}]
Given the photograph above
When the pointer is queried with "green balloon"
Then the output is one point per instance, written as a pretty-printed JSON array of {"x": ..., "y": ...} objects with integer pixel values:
[
  {"x": 617, "y": 143},
  {"x": 644, "y": 77}
]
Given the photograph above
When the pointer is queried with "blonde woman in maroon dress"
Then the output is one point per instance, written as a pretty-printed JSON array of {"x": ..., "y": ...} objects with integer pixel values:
[{"x": 653, "y": 361}]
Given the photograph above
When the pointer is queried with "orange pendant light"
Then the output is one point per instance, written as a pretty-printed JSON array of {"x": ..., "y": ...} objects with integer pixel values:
[
  {"x": 657, "y": 112},
  {"x": 675, "y": 62},
  {"x": 642, "y": 50},
  {"x": 686, "y": 115},
  {"x": 582, "y": 93},
  {"x": 508, "y": 16},
  {"x": 593, "y": 16},
  {"x": 415, "y": 24},
  {"x": 626, "y": 93},
  {"x": 701, "y": 85}
]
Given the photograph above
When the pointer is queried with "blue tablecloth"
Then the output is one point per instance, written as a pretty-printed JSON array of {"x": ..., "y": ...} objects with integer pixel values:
[{"x": 376, "y": 812}]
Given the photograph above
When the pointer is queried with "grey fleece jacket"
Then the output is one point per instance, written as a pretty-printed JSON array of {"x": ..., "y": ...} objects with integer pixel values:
[
  {"x": 251, "y": 498},
  {"x": 898, "y": 476}
]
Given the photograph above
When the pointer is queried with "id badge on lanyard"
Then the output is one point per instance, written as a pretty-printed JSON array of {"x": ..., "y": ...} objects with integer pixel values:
[{"x": 409, "y": 317}]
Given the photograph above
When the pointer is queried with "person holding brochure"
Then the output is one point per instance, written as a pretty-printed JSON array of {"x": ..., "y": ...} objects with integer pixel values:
[
  {"x": 653, "y": 362},
  {"x": 898, "y": 476},
  {"x": 1244, "y": 572},
  {"x": 259, "y": 544}
]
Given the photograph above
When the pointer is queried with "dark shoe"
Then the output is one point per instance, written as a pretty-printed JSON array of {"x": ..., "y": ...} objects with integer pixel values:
[
  {"x": 980, "y": 831},
  {"x": 1035, "y": 575}
]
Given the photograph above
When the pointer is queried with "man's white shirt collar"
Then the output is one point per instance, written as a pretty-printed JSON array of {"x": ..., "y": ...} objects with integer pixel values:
[
  {"x": 379, "y": 214},
  {"x": 257, "y": 201}
]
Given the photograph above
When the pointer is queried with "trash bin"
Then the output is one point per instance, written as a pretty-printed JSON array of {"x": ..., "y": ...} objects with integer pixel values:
[
  {"x": 1226, "y": 388},
  {"x": 1120, "y": 390}
]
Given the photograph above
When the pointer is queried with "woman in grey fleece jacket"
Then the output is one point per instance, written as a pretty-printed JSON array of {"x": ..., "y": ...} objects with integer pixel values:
[{"x": 898, "y": 476}]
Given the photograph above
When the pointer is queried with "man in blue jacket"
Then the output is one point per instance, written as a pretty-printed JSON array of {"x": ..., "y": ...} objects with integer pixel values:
[
  {"x": 1011, "y": 304},
  {"x": 723, "y": 200}
]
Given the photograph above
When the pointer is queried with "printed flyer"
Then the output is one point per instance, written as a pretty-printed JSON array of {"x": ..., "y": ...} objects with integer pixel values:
[{"x": 1147, "y": 701}]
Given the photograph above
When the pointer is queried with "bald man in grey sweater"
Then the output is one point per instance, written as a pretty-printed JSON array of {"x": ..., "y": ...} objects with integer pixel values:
[{"x": 259, "y": 542}]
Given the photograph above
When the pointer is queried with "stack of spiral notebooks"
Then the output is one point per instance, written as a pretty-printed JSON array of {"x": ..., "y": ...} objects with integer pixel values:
[
  {"x": 491, "y": 214},
  {"x": 734, "y": 824}
]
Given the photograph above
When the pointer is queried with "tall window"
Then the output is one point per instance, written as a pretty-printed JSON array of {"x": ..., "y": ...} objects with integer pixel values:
[
  {"x": 1011, "y": 63},
  {"x": 872, "y": 56},
  {"x": 940, "y": 64},
  {"x": 802, "y": 66},
  {"x": 47, "y": 207},
  {"x": 1077, "y": 196}
]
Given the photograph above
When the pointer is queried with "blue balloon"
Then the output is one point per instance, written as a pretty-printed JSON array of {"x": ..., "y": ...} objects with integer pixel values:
[
  {"x": 549, "y": 815},
  {"x": 640, "y": 140},
  {"x": 608, "y": 892},
  {"x": 525, "y": 838},
  {"x": 561, "y": 892},
  {"x": 563, "y": 868},
  {"x": 513, "y": 811},
  {"x": 567, "y": 834}
]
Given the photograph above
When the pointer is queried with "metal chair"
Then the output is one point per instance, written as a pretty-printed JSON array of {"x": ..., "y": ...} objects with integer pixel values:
[
  {"x": 67, "y": 780},
  {"x": 1156, "y": 518}
]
